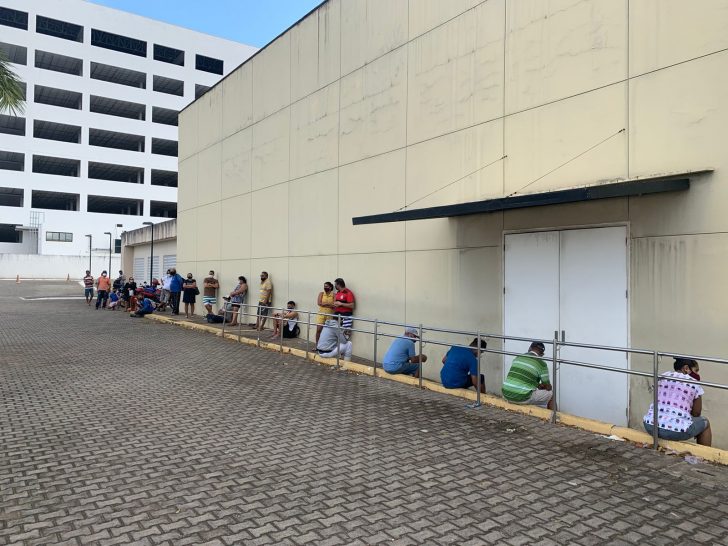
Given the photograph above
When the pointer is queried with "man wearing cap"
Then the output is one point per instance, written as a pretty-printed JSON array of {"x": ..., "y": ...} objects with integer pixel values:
[
  {"x": 527, "y": 381},
  {"x": 402, "y": 358}
]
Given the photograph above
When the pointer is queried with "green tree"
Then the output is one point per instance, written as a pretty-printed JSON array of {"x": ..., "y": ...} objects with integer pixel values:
[{"x": 11, "y": 89}]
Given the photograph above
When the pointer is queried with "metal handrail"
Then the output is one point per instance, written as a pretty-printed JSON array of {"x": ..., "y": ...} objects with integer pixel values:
[{"x": 555, "y": 343}]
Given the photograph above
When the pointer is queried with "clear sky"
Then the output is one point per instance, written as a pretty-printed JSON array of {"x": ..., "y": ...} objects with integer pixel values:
[{"x": 253, "y": 22}]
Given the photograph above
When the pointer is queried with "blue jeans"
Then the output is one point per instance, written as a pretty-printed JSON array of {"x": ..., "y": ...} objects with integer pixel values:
[
  {"x": 698, "y": 426},
  {"x": 405, "y": 368},
  {"x": 103, "y": 296}
]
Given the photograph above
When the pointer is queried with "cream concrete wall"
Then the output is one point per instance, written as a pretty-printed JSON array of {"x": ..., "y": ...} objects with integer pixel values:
[{"x": 367, "y": 106}]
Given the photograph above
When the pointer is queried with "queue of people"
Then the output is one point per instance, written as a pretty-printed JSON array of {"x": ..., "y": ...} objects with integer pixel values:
[{"x": 527, "y": 381}]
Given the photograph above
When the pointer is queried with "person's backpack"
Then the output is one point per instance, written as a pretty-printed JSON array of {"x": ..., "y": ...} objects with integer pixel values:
[{"x": 214, "y": 319}]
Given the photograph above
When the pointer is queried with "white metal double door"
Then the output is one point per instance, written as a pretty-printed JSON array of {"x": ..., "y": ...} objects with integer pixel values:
[{"x": 575, "y": 281}]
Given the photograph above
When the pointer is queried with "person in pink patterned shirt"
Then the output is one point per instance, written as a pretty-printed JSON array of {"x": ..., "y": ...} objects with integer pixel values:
[{"x": 679, "y": 404}]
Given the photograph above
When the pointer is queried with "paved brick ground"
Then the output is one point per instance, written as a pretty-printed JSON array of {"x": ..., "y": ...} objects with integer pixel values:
[{"x": 123, "y": 431}]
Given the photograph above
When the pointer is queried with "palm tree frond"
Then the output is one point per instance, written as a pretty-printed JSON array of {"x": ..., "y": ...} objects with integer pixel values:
[{"x": 12, "y": 95}]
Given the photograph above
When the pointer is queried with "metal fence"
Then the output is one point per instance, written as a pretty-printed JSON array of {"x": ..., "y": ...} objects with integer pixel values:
[{"x": 556, "y": 344}]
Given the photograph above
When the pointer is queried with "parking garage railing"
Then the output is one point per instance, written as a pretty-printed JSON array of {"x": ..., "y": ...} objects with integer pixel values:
[{"x": 377, "y": 331}]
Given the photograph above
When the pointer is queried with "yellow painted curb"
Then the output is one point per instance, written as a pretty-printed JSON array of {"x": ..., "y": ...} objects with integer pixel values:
[
  {"x": 711, "y": 454},
  {"x": 599, "y": 427}
]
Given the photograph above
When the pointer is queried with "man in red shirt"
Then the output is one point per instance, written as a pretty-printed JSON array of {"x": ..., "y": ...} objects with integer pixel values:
[
  {"x": 345, "y": 303},
  {"x": 103, "y": 285}
]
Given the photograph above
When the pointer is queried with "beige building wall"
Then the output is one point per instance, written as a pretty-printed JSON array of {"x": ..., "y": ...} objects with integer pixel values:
[{"x": 366, "y": 106}]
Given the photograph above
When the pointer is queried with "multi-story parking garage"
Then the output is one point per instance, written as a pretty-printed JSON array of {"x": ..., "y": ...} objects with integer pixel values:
[{"x": 96, "y": 149}]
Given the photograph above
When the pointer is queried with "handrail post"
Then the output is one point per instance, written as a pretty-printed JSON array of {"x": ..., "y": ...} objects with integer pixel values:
[
  {"x": 308, "y": 332},
  {"x": 376, "y": 335},
  {"x": 257, "y": 323},
  {"x": 338, "y": 342},
  {"x": 655, "y": 411},
  {"x": 240, "y": 321},
  {"x": 478, "y": 386},
  {"x": 281, "y": 325},
  {"x": 224, "y": 318},
  {"x": 554, "y": 359},
  {"x": 420, "y": 359}
]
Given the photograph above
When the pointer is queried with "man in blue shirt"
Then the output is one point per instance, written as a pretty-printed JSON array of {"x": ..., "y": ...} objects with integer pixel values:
[
  {"x": 460, "y": 367},
  {"x": 145, "y": 308},
  {"x": 175, "y": 289},
  {"x": 402, "y": 358}
]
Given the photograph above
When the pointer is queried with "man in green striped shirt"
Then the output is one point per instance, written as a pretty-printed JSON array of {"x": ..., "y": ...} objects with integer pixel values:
[{"x": 527, "y": 381}]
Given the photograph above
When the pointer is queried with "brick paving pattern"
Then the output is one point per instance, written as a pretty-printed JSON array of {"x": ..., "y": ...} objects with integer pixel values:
[{"x": 125, "y": 431}]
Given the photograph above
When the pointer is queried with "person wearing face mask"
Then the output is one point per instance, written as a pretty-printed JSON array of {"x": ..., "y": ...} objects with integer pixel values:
[
  {"x": 326, "y": 307},
  {"x": 265, "y": 299},
  {"x": 175, "y": 288},
  {"x": 103, "y": 285},
  {"x": 190, "y": 291},
  {"x": 288, "y": 321}
]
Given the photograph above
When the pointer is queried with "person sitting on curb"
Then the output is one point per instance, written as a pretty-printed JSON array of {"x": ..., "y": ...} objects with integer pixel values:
[
  {"x": 147, "y": 307},
  {"x": 290, "y": 317},
  {"x": 694, "y": 369},
  {"x": 402, "y": 358},
  {"x": 679, "y": 405},
  {"x": 527, "y": 381},
  {"x": 332, "y": 341},
  {"x": 460, "y": 367},
  {"x": 113, "y": 300}
]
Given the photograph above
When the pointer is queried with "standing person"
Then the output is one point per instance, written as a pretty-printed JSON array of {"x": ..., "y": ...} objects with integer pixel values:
[
  {"x": 527, "y": 381},
  {"x": 402, "y": 357},
  {"x": 288, "y": 320},
  {"x": 460, "y": 367},
  {"x": 129, "y": 291},
  {"x": 265, "y": 298},
  {"x": 345, "y": 303},
  {"x": 679, "y": 405},
  {"x": 189, "y": 287},
  {"x": 88, "y": 287},
  {"x": 332, "y": 342},
  {"x": 164, "y": 296},
  {"x": 103, "y": 285},
  {"x": 175, "y": 289},
  {"x": 209, "y": 291},
  {"x": 325, "y": 307},
  {"x": 119, "y": 281},
  {"x": 237, "y": 299}
]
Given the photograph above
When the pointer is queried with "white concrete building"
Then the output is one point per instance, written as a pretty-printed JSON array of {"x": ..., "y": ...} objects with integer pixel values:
[{"x": 96, "y": 148}]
